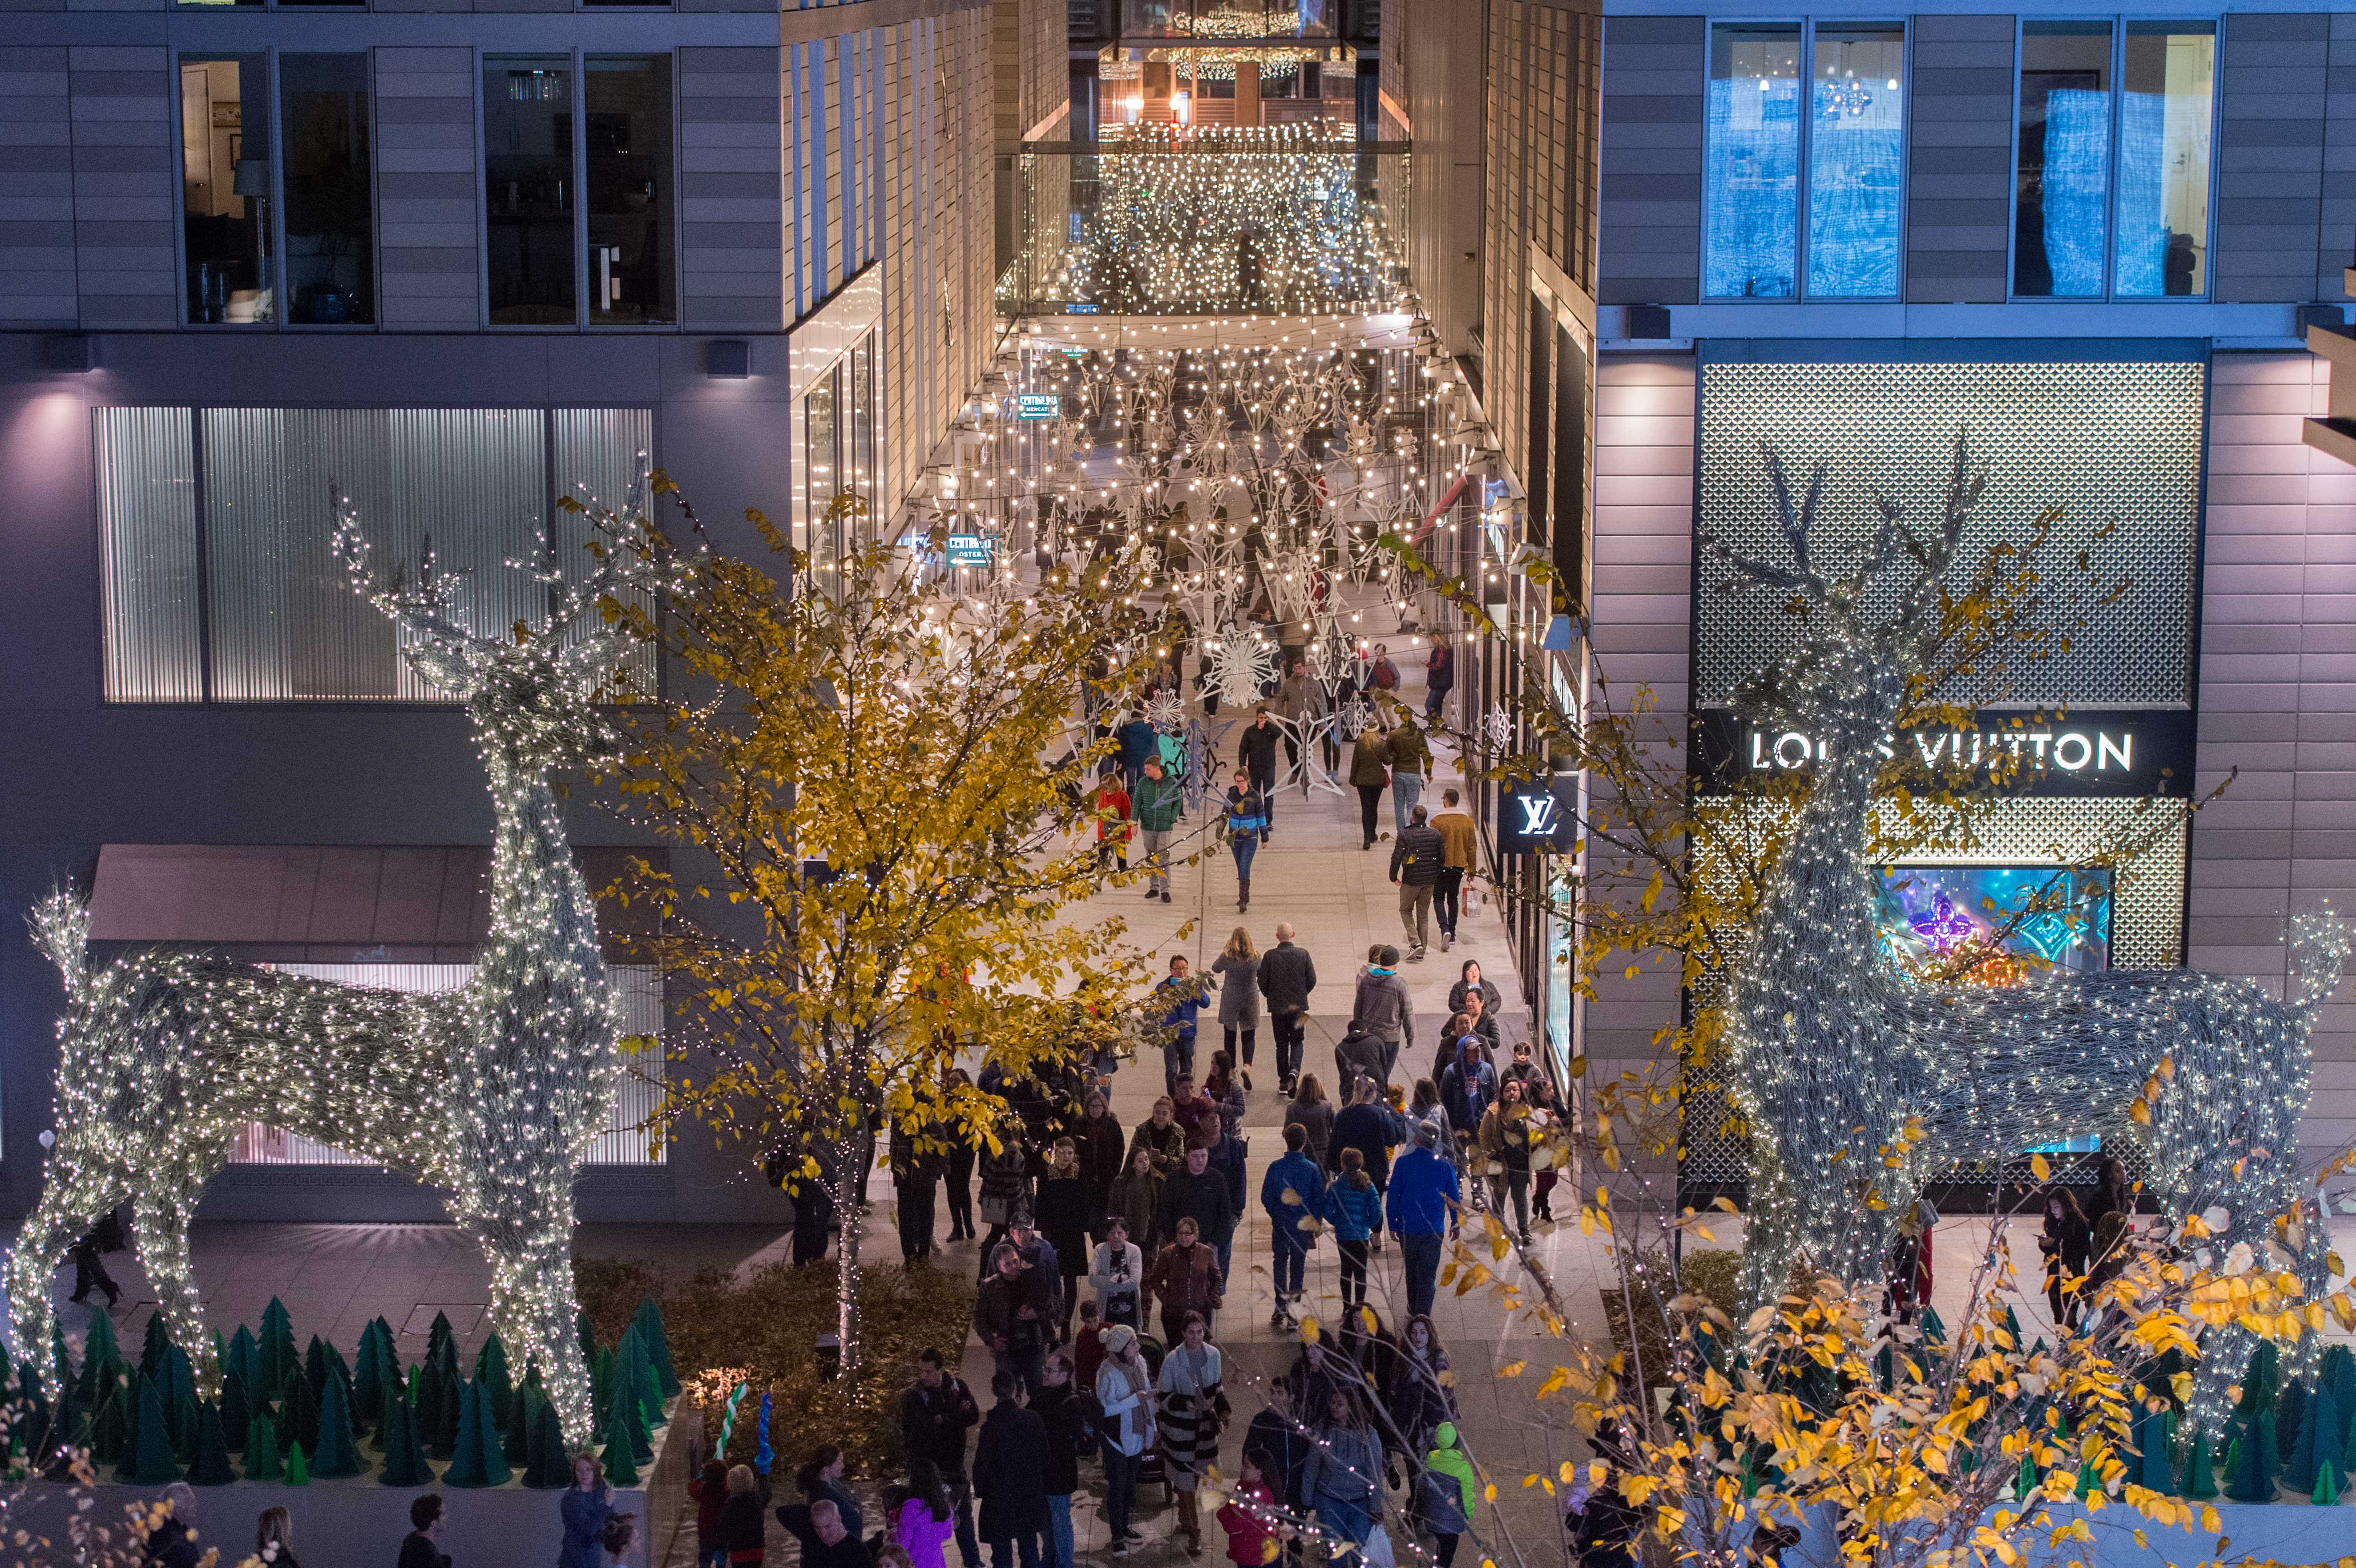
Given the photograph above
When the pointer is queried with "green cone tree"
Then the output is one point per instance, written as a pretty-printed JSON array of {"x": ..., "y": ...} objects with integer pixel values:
[
  {"x": 211, "y": 1466},
  {"x": 338, "y": 1455},
  {"x": 280, "y": 1361},
  {"x": 404, "y": 1456},
  {"x": 108, "y": 1429},
  {"x": 236, "y": 1410},
  {"x": 151, "y": 1461},
  {"x": 152, "y": 1348},
  {"x": 2317, "y": 1444},
  {"x": 2257, "y": 1458},
  {"x": 243, "y": 1355},
  {"x": 619, "y": 1456},
  {"x": 523, "y": 1417},
  {"x": 263, "y": 1460},
  {"x": 491, "y": 1372},
  {"x": 2154, "y": 1468},
  {"x": 547, "y": 1466},
  {"x": 298, "y": 1469},
  {"x": 298, "y": 1413},
  {"x": 480, "y": 1461},
  {"x": 649, "y": 1322}
]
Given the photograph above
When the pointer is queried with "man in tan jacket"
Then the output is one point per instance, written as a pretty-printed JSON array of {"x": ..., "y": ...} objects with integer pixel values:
[{"x": 1459, "y": 847}]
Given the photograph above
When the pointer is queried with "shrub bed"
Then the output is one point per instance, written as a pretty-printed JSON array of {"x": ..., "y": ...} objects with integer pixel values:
[{"x": 763, "y": 1331}]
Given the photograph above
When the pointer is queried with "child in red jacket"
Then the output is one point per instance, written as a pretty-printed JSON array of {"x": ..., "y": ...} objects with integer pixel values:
[
  {"x": 1254, "y": 1532},
  {"x": 709, "y": 1490}
]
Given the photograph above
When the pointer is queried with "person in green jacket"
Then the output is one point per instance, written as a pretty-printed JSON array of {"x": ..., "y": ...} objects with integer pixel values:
[{"x": 1159, "y": 800}]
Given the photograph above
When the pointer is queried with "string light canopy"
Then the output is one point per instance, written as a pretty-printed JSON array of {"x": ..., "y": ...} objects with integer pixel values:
[
  {"x": 492, "y": 1093},
  {"x": 1189, "y": 220},
  {"x": 1860, "y": 1081}
]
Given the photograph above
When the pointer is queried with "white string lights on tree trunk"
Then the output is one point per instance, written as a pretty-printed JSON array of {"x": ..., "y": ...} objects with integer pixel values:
[
  {"x": 492, "y": 1093},
  {"x": 1861, "y": 1082}
]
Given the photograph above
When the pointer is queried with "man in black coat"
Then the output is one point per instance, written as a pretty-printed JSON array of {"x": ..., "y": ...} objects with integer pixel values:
[
  {"x": 1275, "y": 1442},
  {"x": 1009, "y": 1472},
  {"x": 934, "y": 1416},
  {"x": 1287, "y": 976},
  {"x": 1365, "y": 1127},
  {"x": 1256, "y": 754},
  {"x": 1014, "y": 1313},
  {"x": 1194, "y": 1191},
  {"x": 1070, "y": 1422}
]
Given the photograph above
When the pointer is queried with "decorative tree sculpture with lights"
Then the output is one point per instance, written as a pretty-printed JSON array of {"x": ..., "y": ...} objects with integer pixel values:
[
  {"x": 1860, "y": 1081},
  {"x": 491, "y": 1093}
]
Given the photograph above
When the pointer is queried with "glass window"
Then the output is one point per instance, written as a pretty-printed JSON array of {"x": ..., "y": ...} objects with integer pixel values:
[
  {"x": 260, "y": 612},
  {"x": 863, "y": 431},
  {"x": 2064, "y": 188},
  {"x": 1751, "y": 187},
  {"x": 2167, "y": 79},
  {"x": 323, "y": 121},
  {"x": 1856, "y": 143},
  {"x": 225, "y": 187},
  {"x": 148, "y": 533},
  {"x": 529, "y": 189},
  {"x": 631, "y": 264}
]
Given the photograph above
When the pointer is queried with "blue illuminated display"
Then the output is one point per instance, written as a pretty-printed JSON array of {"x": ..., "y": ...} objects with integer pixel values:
[{"x": 2051, "y": 915}]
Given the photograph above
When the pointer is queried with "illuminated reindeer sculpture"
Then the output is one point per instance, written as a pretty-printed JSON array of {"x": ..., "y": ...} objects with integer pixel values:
[
  {"x": 490, "y": 1092},
  {"x": 1832, "y": 1048}
]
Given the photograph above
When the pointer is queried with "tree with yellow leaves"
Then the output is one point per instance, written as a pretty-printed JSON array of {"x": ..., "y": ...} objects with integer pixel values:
[{"x": 879, "y": 783}]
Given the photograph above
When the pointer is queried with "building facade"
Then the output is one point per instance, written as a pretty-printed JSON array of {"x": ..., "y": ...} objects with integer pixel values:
[
  {"x": 2091, "y": 243},
  {"x": 456, "y": 261}
]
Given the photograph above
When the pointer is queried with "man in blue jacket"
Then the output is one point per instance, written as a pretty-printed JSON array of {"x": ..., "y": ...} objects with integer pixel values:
[
  {"x": 1423, "y": 1199},
  {"x": 1137, "y": 741},
  {"x": 1179, "y": 994},
  {"x": 1292, "y": 1190}
]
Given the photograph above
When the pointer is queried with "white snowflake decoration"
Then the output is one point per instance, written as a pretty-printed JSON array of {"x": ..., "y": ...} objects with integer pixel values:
[
  {"x": 1242, "y": 661},
  {"x": 1166, "y": 711}
]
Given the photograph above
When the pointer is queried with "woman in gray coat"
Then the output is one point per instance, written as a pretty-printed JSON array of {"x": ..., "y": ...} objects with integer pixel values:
[{"x": 1237, "y": 966}]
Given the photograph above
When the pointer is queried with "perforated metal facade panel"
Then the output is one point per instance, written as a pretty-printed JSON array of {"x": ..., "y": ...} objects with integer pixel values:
[{"x": 2103, "y": 439}]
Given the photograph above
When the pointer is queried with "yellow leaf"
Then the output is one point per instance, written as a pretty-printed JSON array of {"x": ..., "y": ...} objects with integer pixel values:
[
  {"x": 1489, "y": 1492},
  {"x": 2039, "y": 1169},
  {"x": 1512, "y": 1368}
]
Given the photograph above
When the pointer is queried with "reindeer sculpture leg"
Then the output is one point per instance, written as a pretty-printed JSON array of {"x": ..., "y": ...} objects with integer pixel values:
[
  {"x": 531, "y": 1308},
  {"x": 161, "y": 1209},
  {"x": 65, "y": 1215}
]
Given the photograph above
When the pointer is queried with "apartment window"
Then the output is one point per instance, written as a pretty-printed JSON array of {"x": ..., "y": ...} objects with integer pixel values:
[
  {"x": 223, "y": 587},
  {"x": 323, "y": 126},
  {"x": 1855, "y": 146},
  {"x": 629, "y": 186},
  {"x": 579, "y": 228},
  {"x": 2112, "y": 188},
  {"x": 625, "y": 1138},
  {"x": 1845, "y": 133},
  {"x": 1752, "y": 201},
  {"x": 277, "y": 208},
  {"x": 2059, "y": 227},
  {"x": 527, "y": 188},
  {"x": 225, "y": 189},
  {"x": 2168, "y": 75}
]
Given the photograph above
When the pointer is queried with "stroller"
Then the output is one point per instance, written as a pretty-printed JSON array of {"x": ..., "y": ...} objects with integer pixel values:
[{"x": 1154, "y": 1470}]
